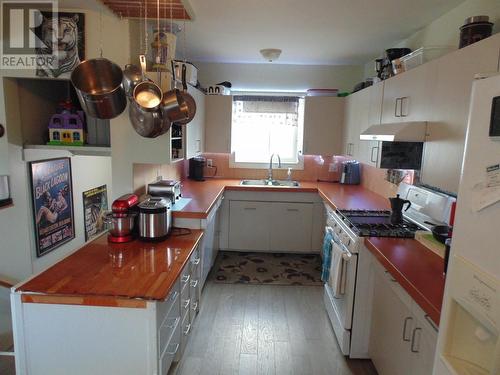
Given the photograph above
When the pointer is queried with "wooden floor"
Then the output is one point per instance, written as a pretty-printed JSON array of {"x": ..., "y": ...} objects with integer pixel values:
[{"x": 264, "y": 329}]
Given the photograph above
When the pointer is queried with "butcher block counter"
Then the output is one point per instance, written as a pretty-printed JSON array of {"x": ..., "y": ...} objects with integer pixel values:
[{"x": 107, "y": 274}]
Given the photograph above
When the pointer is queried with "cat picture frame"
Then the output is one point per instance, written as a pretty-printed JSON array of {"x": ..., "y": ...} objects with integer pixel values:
[{"x": 62, "y": 35}]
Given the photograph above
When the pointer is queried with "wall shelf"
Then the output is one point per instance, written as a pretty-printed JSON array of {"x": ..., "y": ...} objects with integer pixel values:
[{"x": 74, "y": 150}]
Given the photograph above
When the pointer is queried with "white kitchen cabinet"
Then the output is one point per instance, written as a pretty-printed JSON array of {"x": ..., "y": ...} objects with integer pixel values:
[
  {"x": 402, "y": 338},
  {"x": 408, "y": 96},
  {"x": 444, "y": 147},
  {"x": 249, "y": 225},
  {"x": 323, "y": 118},
  {"x": 371, "y": 112},
  {"x": 350, "y": 129},
  {"x": 291, "y": 227},
  {"x": 389, "y": 345},
  {"x": 218, "y": 114},
  {"x": 195, "y": 130}
]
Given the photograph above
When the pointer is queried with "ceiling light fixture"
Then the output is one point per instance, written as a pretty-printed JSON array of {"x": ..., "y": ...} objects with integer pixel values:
[{"x": 270, "y": 54}]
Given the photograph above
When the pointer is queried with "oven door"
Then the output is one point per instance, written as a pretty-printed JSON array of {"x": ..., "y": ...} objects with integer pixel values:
[{"x": 340, "y": 305}]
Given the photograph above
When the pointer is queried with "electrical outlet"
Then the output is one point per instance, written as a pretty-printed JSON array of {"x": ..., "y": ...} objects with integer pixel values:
[
  {"x": 333, "y": 167},
  {"x": 210, "y": 163}
]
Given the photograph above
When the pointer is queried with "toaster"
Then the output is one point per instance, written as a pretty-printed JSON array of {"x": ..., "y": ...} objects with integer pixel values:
[{"x": 168, "y": 189}]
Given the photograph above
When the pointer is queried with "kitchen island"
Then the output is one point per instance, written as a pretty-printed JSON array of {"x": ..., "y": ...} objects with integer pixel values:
[{"x": 109, "y": 308}]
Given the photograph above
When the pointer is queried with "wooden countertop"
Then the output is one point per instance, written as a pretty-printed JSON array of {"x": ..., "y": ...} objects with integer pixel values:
[
  {"x": 204, "y": 194},
  {"x": 102, "y": 270},
  {"x": 418, "y": 270}
]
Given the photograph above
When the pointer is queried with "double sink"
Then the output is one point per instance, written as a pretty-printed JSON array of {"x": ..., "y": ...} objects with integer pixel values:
[{"x": 267, "y": 182}]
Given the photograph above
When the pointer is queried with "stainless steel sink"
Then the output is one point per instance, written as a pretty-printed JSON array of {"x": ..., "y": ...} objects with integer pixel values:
[{"x": 278, "y": 183}]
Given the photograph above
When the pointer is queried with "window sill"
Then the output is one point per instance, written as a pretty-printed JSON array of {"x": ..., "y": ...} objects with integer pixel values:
[{"x": 249, "y": 165}]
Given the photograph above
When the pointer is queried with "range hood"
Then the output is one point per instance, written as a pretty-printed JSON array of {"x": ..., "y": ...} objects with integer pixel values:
[{"x": 396, "y": 132}]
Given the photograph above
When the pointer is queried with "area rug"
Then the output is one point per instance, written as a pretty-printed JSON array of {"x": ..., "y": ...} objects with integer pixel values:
[{"x": 267, "y": 268}]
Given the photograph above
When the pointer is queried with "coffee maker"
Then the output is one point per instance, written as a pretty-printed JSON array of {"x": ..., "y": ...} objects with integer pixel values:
[
  {"x": 196, "y": 168},
  {"x": 397, "y": 205},
  {"x": 121, "y": 221}
]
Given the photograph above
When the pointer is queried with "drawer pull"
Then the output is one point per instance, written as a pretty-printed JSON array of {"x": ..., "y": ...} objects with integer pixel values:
[
  {"x": 194, "y": 283},
  {"x": 173, "y": 351},
  {"x": 408, "y": 319},
  {"x": 173, "y": 296},
  {"x": 188, "y": 328},
  {"x": 174, "y": 323},
  {"x": 185, "y": 278},
  {"x": 195, "y": 306},
  {"x": 196, "y": 261},
  {"x": 413, "y": 340},
  {"x": 186, "y": 303},
  {"x": 250, "y": 208},
  {"x": 292, "y": 209}
]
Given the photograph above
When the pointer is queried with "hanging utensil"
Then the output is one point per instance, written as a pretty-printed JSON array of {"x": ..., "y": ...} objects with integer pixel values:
[
  {"x": 147, "y": 94},
  {"x": 146, "y": 124},
  {"x": 174, "y": 106},
  {"x": 98, "y": 84},
  {"x": 132, "y": 76},
  {"x": 188, "y": 98}
]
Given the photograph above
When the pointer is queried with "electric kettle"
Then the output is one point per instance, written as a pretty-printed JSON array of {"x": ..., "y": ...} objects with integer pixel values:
[{"x": 397, "y": 205}]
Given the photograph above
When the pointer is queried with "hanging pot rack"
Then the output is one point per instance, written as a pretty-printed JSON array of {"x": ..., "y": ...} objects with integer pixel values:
[{"x": 181, "y": 9}]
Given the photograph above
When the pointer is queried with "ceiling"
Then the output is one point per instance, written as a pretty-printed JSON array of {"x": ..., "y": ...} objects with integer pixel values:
[{"x": 326, "y": 32}]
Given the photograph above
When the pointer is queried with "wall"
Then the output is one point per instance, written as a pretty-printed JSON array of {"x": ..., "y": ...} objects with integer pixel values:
[
  {"x": 272, "y": 76},
  {"x": 143, "y": 174},
  {"x": 17, "y": 252},
  {"x": 444, "y": 31}
]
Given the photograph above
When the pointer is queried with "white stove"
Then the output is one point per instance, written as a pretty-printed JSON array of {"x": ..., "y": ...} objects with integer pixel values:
[{"x": 345, "y": 292}]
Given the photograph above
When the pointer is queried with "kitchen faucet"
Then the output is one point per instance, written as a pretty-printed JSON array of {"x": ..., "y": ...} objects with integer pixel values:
[{"x": 270, "y": 172}]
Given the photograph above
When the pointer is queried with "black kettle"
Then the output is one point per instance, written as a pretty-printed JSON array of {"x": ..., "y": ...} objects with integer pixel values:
[{"x": 397, "y": 205}]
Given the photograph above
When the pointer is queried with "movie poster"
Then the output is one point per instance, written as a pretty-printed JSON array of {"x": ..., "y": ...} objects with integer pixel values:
[
  {"x": 52, "y": 195},
  {"x": 95, "y": 204}
]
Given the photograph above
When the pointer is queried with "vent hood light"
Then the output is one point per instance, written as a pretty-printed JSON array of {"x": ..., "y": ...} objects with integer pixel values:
[{"x": 396, "y": 132}]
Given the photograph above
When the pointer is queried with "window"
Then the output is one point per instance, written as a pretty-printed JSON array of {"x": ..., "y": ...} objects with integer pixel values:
[{"x": 266, "y": 125}]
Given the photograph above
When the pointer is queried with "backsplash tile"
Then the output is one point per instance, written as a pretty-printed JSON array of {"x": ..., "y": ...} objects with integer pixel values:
[{"x": 144, "y": 174}]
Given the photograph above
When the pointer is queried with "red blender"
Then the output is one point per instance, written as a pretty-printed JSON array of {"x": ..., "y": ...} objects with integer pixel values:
[{"x": 121, "y": 219}]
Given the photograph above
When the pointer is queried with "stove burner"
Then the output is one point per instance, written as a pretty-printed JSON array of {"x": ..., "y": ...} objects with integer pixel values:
[{"x": 376, "y": 223}]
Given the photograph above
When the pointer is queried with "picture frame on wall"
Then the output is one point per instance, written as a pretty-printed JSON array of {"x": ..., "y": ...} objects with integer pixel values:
[
  {"x": 52, "y": 198},
  {"x": 95, "y": 205}
]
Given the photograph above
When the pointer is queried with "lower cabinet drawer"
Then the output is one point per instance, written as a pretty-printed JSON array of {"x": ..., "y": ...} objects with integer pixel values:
[
  {"x": 163, "y": 308},
  {"x": 171, "y": 350}
]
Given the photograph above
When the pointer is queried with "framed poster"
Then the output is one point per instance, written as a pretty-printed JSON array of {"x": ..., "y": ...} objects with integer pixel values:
[
  {"x": 52, "y": 195},
  {"x": 95, "y": 204}
]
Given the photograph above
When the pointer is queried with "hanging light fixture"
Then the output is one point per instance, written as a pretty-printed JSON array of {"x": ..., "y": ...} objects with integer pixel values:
[{"x": 270, "y": 54}]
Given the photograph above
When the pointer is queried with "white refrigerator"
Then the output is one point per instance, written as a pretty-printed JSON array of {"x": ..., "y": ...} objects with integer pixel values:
[{"x": 468, "y": 342}]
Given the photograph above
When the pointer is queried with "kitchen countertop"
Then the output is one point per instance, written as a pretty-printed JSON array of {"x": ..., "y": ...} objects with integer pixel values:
[
  {"x": 204, "y": 194},
  {"x": 418, "y": 270},
  {"x": 102, "y": 273}
]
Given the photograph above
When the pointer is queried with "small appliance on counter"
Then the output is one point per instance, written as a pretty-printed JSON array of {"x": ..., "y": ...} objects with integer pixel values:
[
  {"x": 397, "y": 205},
  {"x": 168, "y": 189},
  {"x": 155, "y": 219},
  {"x": 196, "y": 168},
  {"x": 351, "y": 173},
  {"x": 121, "y": 219}
]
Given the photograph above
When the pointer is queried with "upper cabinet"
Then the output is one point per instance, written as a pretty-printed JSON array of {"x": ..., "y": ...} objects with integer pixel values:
[
  {"x": 407, "y": 97},
  {"x": 218, "y": 114},
  {"x": 363, "y": 109},
  {"x": 195, "y": 130},
  {"x": 444, "y": 148},
  {"x": 323, "y": 117}
]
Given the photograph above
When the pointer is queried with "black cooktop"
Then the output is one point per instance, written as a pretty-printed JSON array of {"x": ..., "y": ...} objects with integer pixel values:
[{"x": 376, "y": 223}]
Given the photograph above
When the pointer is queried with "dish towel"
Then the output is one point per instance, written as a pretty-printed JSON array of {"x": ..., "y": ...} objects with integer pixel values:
[
  {"x": 337, "y": 282},
  {"x": 327, "y": 256}
]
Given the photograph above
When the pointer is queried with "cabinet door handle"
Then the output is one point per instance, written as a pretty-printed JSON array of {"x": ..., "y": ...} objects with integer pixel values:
[
  {"x": 293, "y": 209},
  {"x": 198, "y": 143},
  {"x": 250, "y": 208},
  {"x": 173, "y": 296},
  {"x": 407, "y": 319},
  {"x": 403, "y": 100},
  {"x": 188, "y": 328},
  {"x": 195, "y": 306},
  {"x": 186, "y": 303},
  {"x": 185, "y": 278},
  {"x": 396, "y": 113},
  {"x": 413, "y": 336},
  {"x": 374, "y": 159},
  {"x": 194, "y": 283},
  {"x": 196, "y": 261},
  {"x": 173, "y": 351}
]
